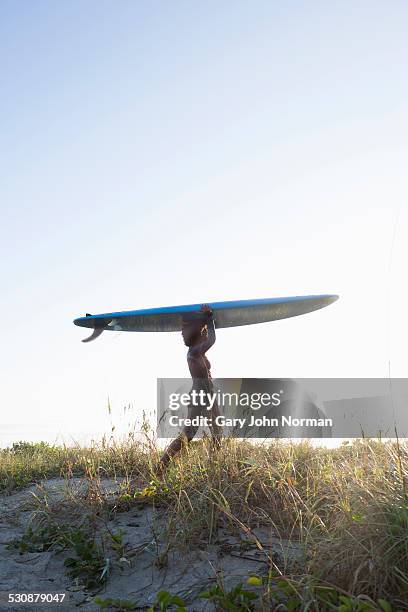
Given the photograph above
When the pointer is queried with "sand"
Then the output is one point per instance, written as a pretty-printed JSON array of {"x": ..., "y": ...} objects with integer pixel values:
[{"x": 140, "y": 577}]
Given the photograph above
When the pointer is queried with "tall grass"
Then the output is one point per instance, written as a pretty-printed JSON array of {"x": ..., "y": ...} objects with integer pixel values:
[{"x": 345, "y": 508}]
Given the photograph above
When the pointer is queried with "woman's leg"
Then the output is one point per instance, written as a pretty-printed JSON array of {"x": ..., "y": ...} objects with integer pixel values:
[
  {"x": 189, "y": 431},
  {"x": 216, "y": 430},
  {"x": 185, "y": 436}
]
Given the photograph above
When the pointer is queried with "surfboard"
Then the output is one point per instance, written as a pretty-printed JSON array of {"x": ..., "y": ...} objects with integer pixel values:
[{"x": 226, "y": 314}]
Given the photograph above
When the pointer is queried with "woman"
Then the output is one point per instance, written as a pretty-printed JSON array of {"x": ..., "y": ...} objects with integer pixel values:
[{"x": 198, "y": 333}]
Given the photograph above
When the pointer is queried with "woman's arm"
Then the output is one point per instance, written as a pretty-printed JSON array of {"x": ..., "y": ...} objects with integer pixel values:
[{"x": 206, "y": 344}]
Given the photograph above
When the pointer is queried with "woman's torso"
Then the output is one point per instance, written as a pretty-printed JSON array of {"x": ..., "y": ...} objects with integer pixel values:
[{"x": 199, "y": 367}]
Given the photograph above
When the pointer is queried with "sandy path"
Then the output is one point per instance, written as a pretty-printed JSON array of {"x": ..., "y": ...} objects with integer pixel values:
[{"x": 140, "y": 578}]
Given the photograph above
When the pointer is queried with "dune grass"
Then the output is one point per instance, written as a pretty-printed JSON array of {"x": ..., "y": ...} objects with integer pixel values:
[{"x": 345, "y": 508}]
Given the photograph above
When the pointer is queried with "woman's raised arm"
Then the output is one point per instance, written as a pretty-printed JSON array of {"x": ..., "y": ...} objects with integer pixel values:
[{"x": 202, "y": 347}]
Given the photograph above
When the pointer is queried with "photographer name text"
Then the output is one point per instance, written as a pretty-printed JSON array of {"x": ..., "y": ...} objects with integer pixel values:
[{"x": 252, "y": 421}]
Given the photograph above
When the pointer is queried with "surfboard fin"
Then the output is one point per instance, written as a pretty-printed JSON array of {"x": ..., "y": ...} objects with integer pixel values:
[{"x": 95, "y": 334}]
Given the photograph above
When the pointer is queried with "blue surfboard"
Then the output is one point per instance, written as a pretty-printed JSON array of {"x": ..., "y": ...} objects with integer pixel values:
[{"x": 226, "y": 314}]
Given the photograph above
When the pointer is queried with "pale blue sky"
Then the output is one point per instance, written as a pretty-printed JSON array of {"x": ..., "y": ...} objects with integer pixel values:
[{"x": 174, "y": 152}]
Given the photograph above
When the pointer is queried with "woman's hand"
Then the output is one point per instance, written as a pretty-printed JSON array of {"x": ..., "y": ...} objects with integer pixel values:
[{"x": 205, "y": 309}]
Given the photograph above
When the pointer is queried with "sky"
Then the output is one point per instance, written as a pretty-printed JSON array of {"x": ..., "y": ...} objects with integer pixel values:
[{"x": 164, "y": 153}]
